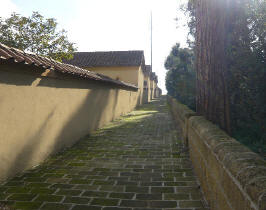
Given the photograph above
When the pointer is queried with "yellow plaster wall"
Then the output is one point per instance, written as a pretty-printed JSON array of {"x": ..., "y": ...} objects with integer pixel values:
[
  {"x": 147, "y": 93},
  {"x": 40, "y": 116},
  {"x": 126, "y": 73},
  {"x": 129, "y": 74},
  {"x": 141, "y": 85},
  {"x": 156, "y": 93},
  {"x": 151, "y": 89},
  {"x": 154, "y": 89}
]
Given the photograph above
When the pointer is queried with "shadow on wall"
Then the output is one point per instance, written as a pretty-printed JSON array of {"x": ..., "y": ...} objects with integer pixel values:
[
  {"x": 21, "y": 75},
  {"x": 27, "y": 152},
  {"x": 145, "y": 95},
  {"x": 116, "y": 95},
  {"x": 97, "y": 108},
  {"x": 88, "y": 116}
]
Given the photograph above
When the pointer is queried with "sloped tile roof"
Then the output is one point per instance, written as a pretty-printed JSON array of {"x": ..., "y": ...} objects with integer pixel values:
[
  {"x": 13, "y": 55},
  {"x": 152, "y": 76},
  {"x": 156, "y": 79},
  {"x": 111, "y": 58},
  {"x": 147, "y": 70}
]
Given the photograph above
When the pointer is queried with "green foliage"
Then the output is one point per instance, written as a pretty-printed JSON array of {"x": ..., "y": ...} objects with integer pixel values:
[
  {"x": 247, "y": 69},
  {"x": 247, "y": 74},
  {"x": 189, "y": 10},
  {"x": 37, "y": 35},
  {"x": 180, "y": 78}
]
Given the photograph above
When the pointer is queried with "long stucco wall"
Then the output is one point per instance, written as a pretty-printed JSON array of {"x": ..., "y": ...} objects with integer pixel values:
[
  {"x": 232, "y": 177},
  {"x": 129, "y": 74},
  {"x": 151, "y": 90},
  {"x": 124, "y": 73},
  {"x": 141, "y": 86},
  {"x": 146, "y": 91},
  {"x": 40, "y": 115}
]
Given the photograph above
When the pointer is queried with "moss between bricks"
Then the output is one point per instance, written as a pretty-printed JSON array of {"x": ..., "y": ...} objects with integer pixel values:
[
  {"x": 49, "y": 198},
  {"x": 94, "y": 194},
  {"x": 42, "y": 191},
  {"x": 27, "y": 205},
  {"x": 22, "y": 197},
  {"x": 176, "y": 196},
  {"x": 69, "y": 192},
  {"x": 18, "y": 190},
  {"x": 104, "y": 202},
  {"x": 98, "y": 171},
  {"x": 190, "y": 204},
  {"x": 76, "y": 200},
  {"x": 122, "y": 195},
  {"x": 55, "y": 206}
]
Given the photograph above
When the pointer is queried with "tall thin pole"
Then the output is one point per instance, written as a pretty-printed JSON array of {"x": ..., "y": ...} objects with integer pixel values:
[{"x": 151, "y": 40}]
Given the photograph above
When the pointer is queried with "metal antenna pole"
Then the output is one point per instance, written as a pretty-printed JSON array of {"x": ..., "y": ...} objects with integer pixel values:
[{"x": 151, "y": 40}]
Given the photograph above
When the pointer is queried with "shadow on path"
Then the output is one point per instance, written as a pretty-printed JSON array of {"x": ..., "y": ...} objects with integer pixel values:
[{"x": 132, "y": 163}]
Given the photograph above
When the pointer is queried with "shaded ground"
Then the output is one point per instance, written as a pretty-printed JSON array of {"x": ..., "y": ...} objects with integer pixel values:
[{"x": 133, "y": 163}]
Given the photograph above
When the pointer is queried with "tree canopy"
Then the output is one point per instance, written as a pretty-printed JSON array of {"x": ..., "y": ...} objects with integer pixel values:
[
  {"x": 228, "y": 38},
  {"x": 37, "y": 35},
  {"x": 180, "y": 78}
]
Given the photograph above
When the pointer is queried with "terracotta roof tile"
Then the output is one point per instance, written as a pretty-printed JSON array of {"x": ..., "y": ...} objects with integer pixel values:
[{"x": 14, "y": 55}]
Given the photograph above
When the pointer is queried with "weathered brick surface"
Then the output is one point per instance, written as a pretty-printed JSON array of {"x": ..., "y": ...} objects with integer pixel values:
[{"x": 137, "y": 162}]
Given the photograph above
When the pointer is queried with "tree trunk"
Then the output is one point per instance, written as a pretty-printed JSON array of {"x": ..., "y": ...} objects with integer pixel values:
[{"x": 211, "y": 43}]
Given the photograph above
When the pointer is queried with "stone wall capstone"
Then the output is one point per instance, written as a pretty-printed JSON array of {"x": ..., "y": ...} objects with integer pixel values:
[{"x": 231, "y": 175}]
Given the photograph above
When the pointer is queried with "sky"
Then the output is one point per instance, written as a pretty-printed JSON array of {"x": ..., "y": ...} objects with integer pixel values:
[{"x": 110, "y": 25}]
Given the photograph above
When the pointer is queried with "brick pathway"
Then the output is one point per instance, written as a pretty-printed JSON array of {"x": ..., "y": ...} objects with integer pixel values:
[{"x": 134, "y": 163}]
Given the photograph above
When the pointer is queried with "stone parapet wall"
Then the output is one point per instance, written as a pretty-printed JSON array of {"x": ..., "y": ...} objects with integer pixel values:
[
  {"x": 181, "y": 114},
  {"x": 231, "y": 175}
]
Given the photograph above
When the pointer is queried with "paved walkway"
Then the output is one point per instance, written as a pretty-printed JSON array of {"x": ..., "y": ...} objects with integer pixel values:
[{"x": 134, "y": 163}]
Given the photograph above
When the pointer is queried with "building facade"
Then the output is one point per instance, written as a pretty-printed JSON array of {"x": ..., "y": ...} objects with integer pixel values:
[{"x": 127, "y": 66}]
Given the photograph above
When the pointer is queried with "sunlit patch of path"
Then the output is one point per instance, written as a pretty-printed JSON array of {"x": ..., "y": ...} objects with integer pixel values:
[{"x": 134, "y": 163}]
